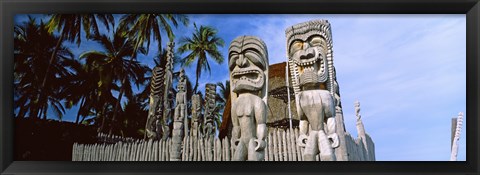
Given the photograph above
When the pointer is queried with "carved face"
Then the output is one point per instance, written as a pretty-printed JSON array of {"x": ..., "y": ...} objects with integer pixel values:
[
  {"x": 247, "y": 63},
  {"x": 310, "y": 57},
  {"x": 181, "y": 87}
]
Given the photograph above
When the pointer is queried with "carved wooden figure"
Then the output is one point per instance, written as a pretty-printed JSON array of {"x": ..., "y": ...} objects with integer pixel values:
[
  {"x": 196, "y": 112},
  {"x": 248, "y": 65},
  {"x": 210, "y": 104},
  {"x": 154, "y": 112},
  {"x": 458, "y": 129},
  {"x": 309, "y": 49},
  {"x": 167, "y": 92},
  {"x": 178, "y": 118}
]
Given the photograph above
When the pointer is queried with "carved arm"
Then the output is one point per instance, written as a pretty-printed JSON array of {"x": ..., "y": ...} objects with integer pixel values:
[
  {"x": 260, "y": 116},
  {"x": 236, "y": 127},
  {"x": 332, "y": 135}
]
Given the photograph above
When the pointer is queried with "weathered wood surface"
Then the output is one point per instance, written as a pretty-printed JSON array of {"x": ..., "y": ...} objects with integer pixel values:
[{"x": 281, "y": 146}]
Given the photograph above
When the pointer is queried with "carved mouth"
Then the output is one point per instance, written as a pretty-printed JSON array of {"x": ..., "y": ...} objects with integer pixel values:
[
  {"x": 311, "y": 70},
  {"x": 249, "y": 75},
  {"x": 315, "y": 65},
  {"x": 309, "y": 61},
  {"x": 247, "y": 80}
]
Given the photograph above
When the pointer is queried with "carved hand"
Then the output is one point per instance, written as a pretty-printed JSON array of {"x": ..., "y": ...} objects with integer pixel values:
[
  {"x": 261, "y": 144},
  {"x": 302, "y": 140},
  {"x": 333, "y": 138}
]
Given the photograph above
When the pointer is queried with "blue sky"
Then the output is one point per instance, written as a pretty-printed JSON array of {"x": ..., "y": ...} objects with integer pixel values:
[{"x": 407, "y": 71}]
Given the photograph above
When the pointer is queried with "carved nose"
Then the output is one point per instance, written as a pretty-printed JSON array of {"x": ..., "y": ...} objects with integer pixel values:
[
  {"x": 307, "y": 54},
  {"x": 242, "y": 61}
]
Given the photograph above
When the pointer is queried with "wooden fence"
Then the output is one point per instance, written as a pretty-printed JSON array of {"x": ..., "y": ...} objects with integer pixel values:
[
  {"x": 281, "y": 146},
  {"x": 105, "y": 138}
]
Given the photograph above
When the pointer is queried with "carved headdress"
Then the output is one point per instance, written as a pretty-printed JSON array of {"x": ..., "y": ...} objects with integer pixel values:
[
  {"x": 248, "y": 65},
  {"x": 310, "y": 55}
]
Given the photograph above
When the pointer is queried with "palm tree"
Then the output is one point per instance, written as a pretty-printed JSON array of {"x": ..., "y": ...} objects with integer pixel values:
[
  {"x": 139, "y": 28},
  {"x": 86, "y": 87},
  {"x": 133, "y": 118},
  {"x": 70, "y": 25},
  {"x": 221, "y": 99},
  {"x": 224, "y": 94},
  {"x": 117, "y": 63},
  {"x": 33, "y": 44},
  {"x": 203, "y": 42}
]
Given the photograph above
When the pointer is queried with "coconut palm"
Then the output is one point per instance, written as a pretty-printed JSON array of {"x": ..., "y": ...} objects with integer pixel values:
[
  {"x": 133, "y": 118},
  {"x": 117, "y": 63},
  {"x": 69, "y": 26},
  {"x": 139, "y": 28},
  {"x": 203, "y": 44},
  {"x": 221, "y": 100},
  {"x": 88, "y": 87},
  {"x": 33, "y": 46},
  {"x": 142, "y": 27},
  {"x": 222, "y": 97}
]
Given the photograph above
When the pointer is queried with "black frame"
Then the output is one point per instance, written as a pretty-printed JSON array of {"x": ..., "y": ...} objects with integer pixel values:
[{"x": 9, "y": 8}]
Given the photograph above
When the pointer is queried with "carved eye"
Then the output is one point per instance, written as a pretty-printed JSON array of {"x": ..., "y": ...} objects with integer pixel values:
[
  {"x": 296, "y": 46},
  {"x": 255, "y": 58},
  {"x": 233, "y": 58},
  {"x": 317, "y": 41}
]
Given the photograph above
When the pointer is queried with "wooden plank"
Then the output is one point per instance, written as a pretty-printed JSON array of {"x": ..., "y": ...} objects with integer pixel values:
[
  {"x": 299, "y": 152},
  {"x": 202, "y": 149},
  {"x": 169, "y": 148},
  {"x": 190, "y": 146},
  {"x": 219, "y": 149},
  {"x": 227, "y": 148},
  {"x": 280, "y": 148},
  {"x": 284, "y": 145},
  {"x": 293, "y": 145},
  {"x": 266, "y": 150},
  {"x": 275, "y": 145},
  {"x": 289, "y": 148}
]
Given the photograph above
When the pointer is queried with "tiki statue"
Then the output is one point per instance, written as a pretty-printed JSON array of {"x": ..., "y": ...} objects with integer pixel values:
[
  {"x": 248, "y": 65},
  {"x": 152, "y": 129},
  {"x": 309, "y": 51},
  {"x": 210, "y": 104},
  {"x": 196, "y": 112},
  {"x": 178, "y": 121},
  {"x": 167, "y": 84}
]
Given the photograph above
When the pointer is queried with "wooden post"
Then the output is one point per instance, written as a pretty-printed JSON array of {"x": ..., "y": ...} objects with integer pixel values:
[
  {"x": 289, "y": 148},
  {"x": 202, "y": 149},
  {"x": 299, "y": 153},
  {"x": 219, "y": 149},
  {"x": 293, "y": 145},
  {"x": 284, "y": 142},
  {"x": 453, "y": 129},
  {"x": 275, "y": 145},
  {"x": 228, "y": 149}
]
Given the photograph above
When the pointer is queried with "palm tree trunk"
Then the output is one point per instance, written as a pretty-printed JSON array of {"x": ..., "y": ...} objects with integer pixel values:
[
  {"x": 102, "y": 114},
  {"x": 117, "y": 105},
  {"x": 52, "y": 58},
  {"x": 120, "y": 95},
  {"x": 196, "y": 86},
  {"x": 79, "y": 109}
]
